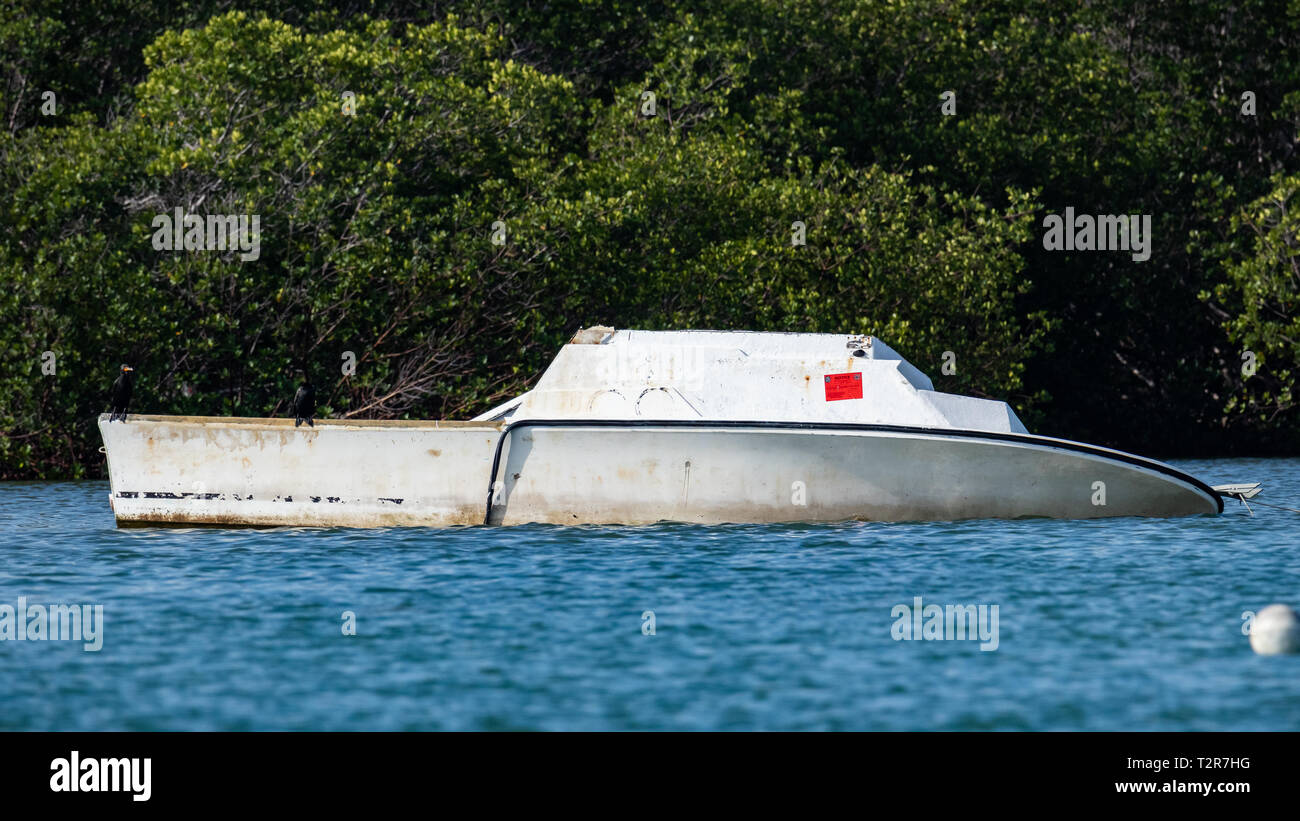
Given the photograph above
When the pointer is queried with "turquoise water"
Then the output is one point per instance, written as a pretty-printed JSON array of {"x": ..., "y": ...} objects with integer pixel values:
[{"x": 1104, "y": 625}]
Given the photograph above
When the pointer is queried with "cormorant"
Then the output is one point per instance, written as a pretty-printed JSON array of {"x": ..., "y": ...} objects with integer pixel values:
[
  {"x": 121, "y": 397},
  {"x": 304, "y": 404}
]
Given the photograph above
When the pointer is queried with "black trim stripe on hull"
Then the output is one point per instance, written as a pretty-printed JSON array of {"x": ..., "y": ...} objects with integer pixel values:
[{"x": 958, "y": 433}]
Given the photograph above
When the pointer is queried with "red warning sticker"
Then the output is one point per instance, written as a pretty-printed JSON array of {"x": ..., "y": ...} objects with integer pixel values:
[{"x": 843, "y": 386}]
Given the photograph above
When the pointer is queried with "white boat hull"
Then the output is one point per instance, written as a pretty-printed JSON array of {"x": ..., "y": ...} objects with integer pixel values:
[{"x": 215, "y": 471}]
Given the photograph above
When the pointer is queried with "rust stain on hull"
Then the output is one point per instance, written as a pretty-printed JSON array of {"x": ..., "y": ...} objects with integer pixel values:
[
  {"x": 181, "y": 518},
  {"x": 230, "y": 472}
]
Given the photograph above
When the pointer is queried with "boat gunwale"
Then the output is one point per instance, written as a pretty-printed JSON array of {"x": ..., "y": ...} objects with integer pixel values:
[{"x": 283, "y": 422}]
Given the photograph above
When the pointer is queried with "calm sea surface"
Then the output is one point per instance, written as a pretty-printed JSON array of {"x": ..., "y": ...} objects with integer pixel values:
[{"x": 1102, "y": 625}]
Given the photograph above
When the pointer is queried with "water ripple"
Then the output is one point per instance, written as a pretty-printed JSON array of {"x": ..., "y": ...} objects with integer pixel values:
[{"x": 1103, "y": 625}]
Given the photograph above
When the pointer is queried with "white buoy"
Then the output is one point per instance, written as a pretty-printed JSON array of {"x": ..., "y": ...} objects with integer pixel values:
[{"x": 1276, "y": 629}]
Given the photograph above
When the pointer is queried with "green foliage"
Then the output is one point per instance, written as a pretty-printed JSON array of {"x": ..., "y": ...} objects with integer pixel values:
[
  {"x": 1266, "y": 287},
  {"x": 376, "y": 228}
]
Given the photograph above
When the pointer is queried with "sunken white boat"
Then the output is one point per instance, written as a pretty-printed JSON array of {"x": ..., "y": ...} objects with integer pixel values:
[{"x": 630, "y": 427}]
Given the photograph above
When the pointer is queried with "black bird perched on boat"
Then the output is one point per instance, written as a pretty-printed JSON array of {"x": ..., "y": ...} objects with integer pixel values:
[
  {"x": 304, "y": 404},
  {"x": 121, "y": 397}
]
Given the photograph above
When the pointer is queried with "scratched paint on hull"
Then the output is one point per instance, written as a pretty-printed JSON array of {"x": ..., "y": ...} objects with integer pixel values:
[{"x": 266, "y": 472}]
